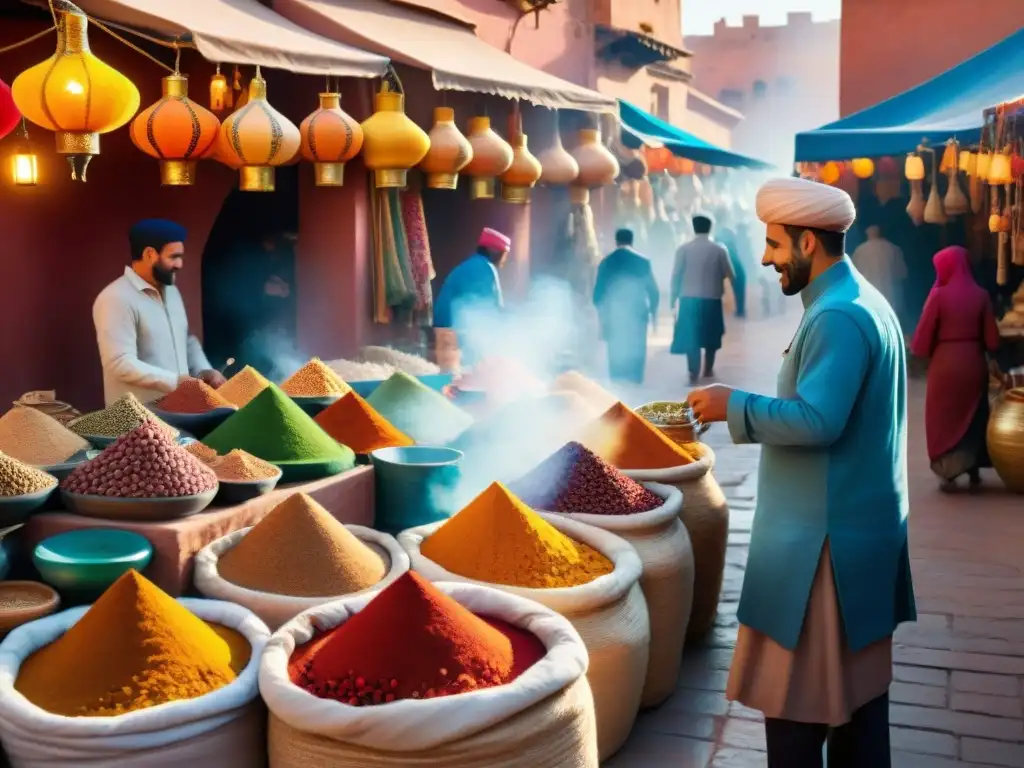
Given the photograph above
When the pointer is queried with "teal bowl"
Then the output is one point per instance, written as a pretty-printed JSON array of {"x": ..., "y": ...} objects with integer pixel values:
[{"x": 90, "y": 559}]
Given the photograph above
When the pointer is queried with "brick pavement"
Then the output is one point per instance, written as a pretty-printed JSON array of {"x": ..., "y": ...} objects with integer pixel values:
[{"x": 957, "y": 699}]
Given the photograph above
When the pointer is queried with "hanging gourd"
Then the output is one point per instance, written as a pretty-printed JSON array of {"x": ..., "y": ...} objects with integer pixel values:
[
  {"x": 915, "y": 209},
  {"x": 75, "y": 94},
  {"x": 558, "y": 167},
  {"x": 449, "y": 153},
  {"x": 525, "y": 171},
  {"x": 598, "y": 166},
  {"x": 863, "y": 167},
  {"x": 329, "y": 138},
  {"x": 492, "y": 156},
  {"x": 9, "y": 114},
  {"x": 392, "y": 143},
  {"x": 175, "y": 130},
  {"x": 955, "y": 201},
  {"x": 258, "y": 138}
]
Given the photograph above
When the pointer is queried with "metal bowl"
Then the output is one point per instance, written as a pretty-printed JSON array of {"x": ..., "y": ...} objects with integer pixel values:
[
  {"x": 90, "y": 559},
  {"x": 198, "y": 424},
  {"x": 140, "y": 510},
  {"x": 16, "y": 509},
  {"x": 241, "y": 491}
]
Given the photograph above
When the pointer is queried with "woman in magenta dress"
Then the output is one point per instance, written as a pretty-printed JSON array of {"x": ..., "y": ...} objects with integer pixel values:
[{"x": 956, "y": 330}]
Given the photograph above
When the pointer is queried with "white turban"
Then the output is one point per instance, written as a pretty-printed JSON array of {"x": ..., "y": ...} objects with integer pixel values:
[{"x": 803, "y": 203}]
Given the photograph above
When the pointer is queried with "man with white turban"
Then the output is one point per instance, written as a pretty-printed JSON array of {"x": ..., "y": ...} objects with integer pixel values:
[{"x": 828, "y": 576}]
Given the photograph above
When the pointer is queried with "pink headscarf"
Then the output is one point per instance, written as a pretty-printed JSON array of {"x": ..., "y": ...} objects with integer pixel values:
[{"x": 953, "y": 267}]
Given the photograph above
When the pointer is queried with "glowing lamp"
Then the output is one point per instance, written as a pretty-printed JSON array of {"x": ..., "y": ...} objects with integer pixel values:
[
  {"x": 449, "y": 153},
  {"x": 863, "y": 167},
  {"x": 492, "y": 156},
  {"x": 557, "y": 166},
  {"x": 330, "y": 138},
  {"x": 983, "y": 164},
  {"x": 523, "y": 174},
  {"x": 392, "y": 143},
  {"x": 9, "y": 114},
  {"x": 999, "y": 169},
  {"x": 913, "y": 168},
  {"x": 968, "y": 163},
  {"x": 658, "y": 159},
  {"x": 75, "y": 94},
  {"x": 220, "y": 92},
  {"x": 24, "y": 163},
  {"x": 830, "y": 173}
]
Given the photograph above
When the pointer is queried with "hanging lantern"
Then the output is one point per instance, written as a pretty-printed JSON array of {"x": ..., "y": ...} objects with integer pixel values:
[
  {"x": 24, "y": 163},
  {"x": 658, "y": 159},
  {"x": 221, "y": 97},
  {"x": 863, "y": 167},
  {"x": 598, "y": 166},
  {"x": 75, "y": 94},
  {"x": 830, "y": 173},
  {"x": 933, "y": 212},
  {"x": 949, "y": 157},
  {"x": 9, "y": 114},
  {"x": 392, "y": 143},
  {"x": 915, "y": 209},
  {"x": 221, "y": 152},
  {"x": 681, "y": 166},
  {"x": 984, "y": 162},
  {"x": 525, "y": 170},
  {"x": 259, "y": 138},
  {"x": 558, "y": 168},
  {"x": 330, "y": 138},
  {"x": 956, "y": 201},
  {"x": 449, "y": 153},
  {"x": 999, "y": 171},
  {"x": 913, "y": 168},
  {"x": 492, "y": 156},
  {"x": 968, "y": 163},
  {"x": 239, "y": 96},
  {"x": 176, "y": 131}
]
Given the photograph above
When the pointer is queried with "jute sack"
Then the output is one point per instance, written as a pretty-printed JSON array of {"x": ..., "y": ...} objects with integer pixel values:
[
  {"x": 543, "y": 719},
  {"x": 660, "y": 538},
  {"x": 609, "y": 613},
  {"x": 706, "y": 517},
  {"x": 225, "y": 728},
  {"x": 275, "y": 610}
]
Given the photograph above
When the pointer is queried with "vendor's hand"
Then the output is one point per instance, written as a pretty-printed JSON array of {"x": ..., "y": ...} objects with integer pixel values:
[
  {"x": 214, "y": 378},
  {"x": 711, "y": 403}
]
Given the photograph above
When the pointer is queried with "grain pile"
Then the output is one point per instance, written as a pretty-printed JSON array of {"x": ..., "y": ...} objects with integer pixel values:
[
  {"x": 19, "y": 479},
  {"x": 204, "y": 453},
  {"x": 424, "y": 414},
  {"x": 353, "y": 370},
  {"x": 315, "y": 379},
  {"x": 241, "y": 467},
  {"x": 193, "y": 396},
  {"x": 121, "y": 416},
  {"x": 33, "y": 437},
  {"x": 414, "y": 365},
  {"x": 142, "y": 464},
  {"x": 299, "y": 549},
  {"x": 241, "y": 388}
]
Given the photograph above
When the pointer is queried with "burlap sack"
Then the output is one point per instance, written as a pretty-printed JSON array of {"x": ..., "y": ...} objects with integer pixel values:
[
  {"x": 275, "y": 610},
  {"x": 543, "y": 719},
  {"x": 609, "y": 613},
  {"x": 225, "y": 728},
  {"x": 706, "y": 517},
  {"x": 660, "y": 538}
]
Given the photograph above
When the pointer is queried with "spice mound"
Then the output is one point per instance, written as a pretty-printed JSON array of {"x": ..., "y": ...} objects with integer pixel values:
[
  {"x": 299, "y": 549},
  {"x": 353, "y": 422},
  {"x": 35, "y": 438},
  {"x": 241, "y": 388},
  {"x": 425, "y": 415},
  {"x": 121, "y": 416},
  {"x": 240, "y": 467},
  {"x": 202, "y": 452},
  {"x": 497, "y": 539},
  {"x": 136, "y": 647},
  {"x": 353, "y": 370},
  {"x": 627, "y": 441},
  {"x": 19, "y": 479},
  {"x": 315, "y": 379},
  {"x": 193, "y": 396},
  {"x": 596, "y": 396},
  {"x": 275, "y": 429},
  {"x": 143, "y": 464},
  {"x": 412, "y": 641},
  {"x": 575, "y": 481}
]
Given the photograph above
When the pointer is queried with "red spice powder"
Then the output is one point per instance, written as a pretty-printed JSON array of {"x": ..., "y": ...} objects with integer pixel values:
[
  {"x": 574, "y": 480},
  {"x": 412, "y": 642},
  {"x": 193, "y": 396}
]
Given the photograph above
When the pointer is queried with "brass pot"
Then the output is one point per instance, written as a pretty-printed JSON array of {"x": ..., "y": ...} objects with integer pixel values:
[{"x": 1006, "y": 439}]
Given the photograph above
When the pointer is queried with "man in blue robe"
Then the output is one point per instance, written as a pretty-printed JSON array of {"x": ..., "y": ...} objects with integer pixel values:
[{"x": 828, "y": 576}]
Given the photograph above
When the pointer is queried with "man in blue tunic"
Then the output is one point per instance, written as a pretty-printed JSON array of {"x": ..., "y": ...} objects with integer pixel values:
[{"x": 828, "y": 576}]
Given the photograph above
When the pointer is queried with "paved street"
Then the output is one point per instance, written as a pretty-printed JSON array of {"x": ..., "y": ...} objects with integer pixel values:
[{"x": 957, "y": 699}]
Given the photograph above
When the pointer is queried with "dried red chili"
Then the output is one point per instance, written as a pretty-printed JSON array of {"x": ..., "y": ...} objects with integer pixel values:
[
  {"x": 412, "y": 642},
  {"x": 574, "y": 480}
]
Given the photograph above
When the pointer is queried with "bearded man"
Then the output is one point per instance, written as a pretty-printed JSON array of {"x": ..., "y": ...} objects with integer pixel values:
[{"x": 828, "y": 576}]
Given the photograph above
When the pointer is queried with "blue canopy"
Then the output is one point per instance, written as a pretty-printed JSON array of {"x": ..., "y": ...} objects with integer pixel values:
[
  {"x": 641, "y": 127},
  {"x": 948, "y": 106}
]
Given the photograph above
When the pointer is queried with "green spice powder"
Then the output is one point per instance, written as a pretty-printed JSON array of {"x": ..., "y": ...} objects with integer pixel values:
[{"x": 424, "y": 414}]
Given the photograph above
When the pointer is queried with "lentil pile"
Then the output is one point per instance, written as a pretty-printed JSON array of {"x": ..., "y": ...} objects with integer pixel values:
[
  {"x": 315, "y": 379},
  {"x": 19, "y": 479},
  {"x": 300, "y": 549},
  {"x": 241, "y": 388},
  {"x": 239, "y": 466},
  {"x": 575, "y": 481},
  {"x": 425, "y": 415},
  {"x": 627, "y": 441},
  {"x": 193, "y": 396},
  {"x": 121, "y": 416},
  {"x": 143, "y": 464},
  {"x": 497, "y": 539},
  {"x": 35, "y": 438},
  {"x": 412, "y": 641},
  {"x": 275, "y": 429},
  {"x": 353, "y": 422},
  {"x": 204, "y": 453},
  {"x": 136, "y": 647}
]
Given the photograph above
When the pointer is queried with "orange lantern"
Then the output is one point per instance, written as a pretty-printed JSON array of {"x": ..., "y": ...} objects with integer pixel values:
[
  {"x": 492, "y": 156},
  {"x": 598, "y": 165},
  {"x": 175, "y": 130},
  {"x": 525, "y": 170},
  {"x": 329, "y": 137},
  {"x": 449, "y": 153},
  {"x": 863, "y": 167},
  {"x": 829, "y": 173},
  {"x": 659, "y": 159},
  {"x": 558, "y": 167},
  {"x": 681, "y": 166}
]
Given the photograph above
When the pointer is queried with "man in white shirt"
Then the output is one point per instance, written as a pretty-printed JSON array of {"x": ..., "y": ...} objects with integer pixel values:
[
  {"x": 141, "y": 326},
  {"x": 882, "y": 264}
]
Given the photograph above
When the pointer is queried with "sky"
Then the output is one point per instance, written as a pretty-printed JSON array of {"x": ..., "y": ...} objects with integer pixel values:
[{"x": 699, "y": 16}]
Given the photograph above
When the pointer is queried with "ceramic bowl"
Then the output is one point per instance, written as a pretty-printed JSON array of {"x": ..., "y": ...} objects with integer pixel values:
[
  {"x": 145, "y": 510},
  {"x": 241, "y": 491},
  {"x": 25, "y": 601},
  {"x": 16, "y": 509},
  {"x": 90, "y": 559},
  {"x": 198, "y": 424}
]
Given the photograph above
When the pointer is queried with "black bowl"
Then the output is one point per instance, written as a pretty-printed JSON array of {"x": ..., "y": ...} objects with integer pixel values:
[
  {"x": 140, "y": 510},
  {"x": 240, "y": 491}
]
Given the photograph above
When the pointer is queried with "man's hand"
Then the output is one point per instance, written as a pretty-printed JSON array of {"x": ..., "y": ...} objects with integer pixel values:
[
  {"x": 710, "y": 403},
  {"x": 214, "y": 378}
]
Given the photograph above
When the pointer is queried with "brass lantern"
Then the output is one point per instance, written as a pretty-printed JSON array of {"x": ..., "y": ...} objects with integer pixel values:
[
  {"x": 449, "y": 153},
  {"x": 330, "y": 138},
  {"x": 492, "y": 156}
]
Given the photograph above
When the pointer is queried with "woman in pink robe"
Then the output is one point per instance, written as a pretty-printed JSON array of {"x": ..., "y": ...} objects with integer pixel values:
[{"x": 956, "y": 330}]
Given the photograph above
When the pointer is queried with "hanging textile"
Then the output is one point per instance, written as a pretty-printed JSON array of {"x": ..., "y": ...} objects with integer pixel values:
[
  {"x": 420, "y": 260},
  {"x": 381, "y": 313}
]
